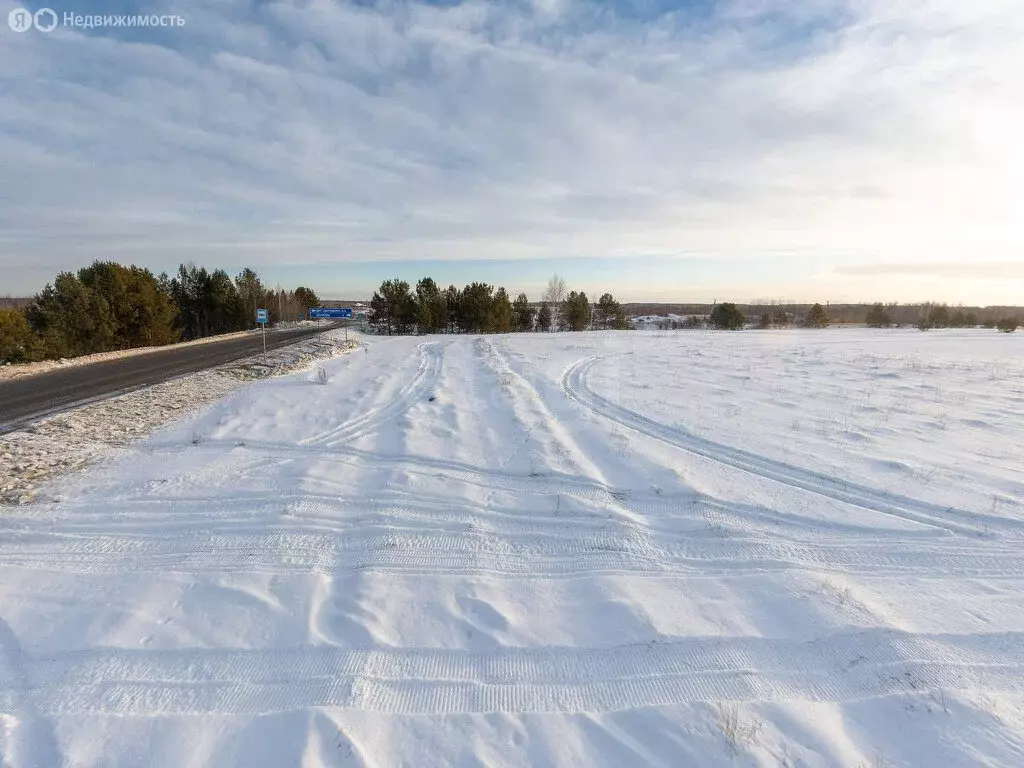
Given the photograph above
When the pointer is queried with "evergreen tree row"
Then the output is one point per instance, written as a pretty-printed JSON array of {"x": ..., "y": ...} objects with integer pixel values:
[
  {"x": 398, "y": 308},
  {"x": 728, "y": 316},
  {"x": 107, "y": 306}
]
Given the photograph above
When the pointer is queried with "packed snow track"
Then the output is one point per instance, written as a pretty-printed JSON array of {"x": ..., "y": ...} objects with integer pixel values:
[{"x": 779, "y": 548}]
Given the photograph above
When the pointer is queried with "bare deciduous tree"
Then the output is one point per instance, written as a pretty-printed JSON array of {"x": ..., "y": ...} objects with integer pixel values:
[{"x": 554, "y": 296}]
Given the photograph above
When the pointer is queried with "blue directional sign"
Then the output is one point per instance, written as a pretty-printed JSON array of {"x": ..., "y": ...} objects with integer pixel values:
[
  {"x": 316, "y": 313},
  {"x": 262, "y": 316}
]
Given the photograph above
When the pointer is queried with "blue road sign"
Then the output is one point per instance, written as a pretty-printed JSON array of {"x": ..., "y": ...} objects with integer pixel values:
[
  {"x": 261, "y": 316},
  {"x": 316, "y": 313}
]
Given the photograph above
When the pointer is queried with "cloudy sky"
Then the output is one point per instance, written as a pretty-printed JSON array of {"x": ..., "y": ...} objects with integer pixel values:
[{"x": 744, "y": 149}]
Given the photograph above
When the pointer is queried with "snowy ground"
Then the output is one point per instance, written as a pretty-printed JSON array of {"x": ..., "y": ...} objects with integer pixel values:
[
  {"x": 70, "y": 440},
  {"x": 763, "y": 548}
]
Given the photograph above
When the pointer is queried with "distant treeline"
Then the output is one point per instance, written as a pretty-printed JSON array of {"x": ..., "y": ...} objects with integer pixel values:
[
  {"x": 107, "y": 306},
  {"x": 398, "y": 308},
  {"x": 729, "y": 316},
  {"x": 936, "y": 315}
]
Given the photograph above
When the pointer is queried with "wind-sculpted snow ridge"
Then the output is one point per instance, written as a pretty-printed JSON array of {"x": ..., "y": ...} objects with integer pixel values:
[{"x": 532, "y": 550}]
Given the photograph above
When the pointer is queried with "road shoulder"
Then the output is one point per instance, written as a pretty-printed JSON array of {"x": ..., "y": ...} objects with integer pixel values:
[{"x": 68, "y": 441}]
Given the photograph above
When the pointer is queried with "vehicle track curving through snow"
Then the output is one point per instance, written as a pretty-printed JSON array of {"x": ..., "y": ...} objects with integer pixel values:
[
  {"x": 575, "y": 384},
  {"x": 431, "y": 358}
]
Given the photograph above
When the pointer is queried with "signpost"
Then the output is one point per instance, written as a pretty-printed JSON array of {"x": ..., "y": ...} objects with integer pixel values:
[
  {"x": 340, "y": 313},
  {"x": 262, "y": 317},
  {"x": 334, "y": 313}
]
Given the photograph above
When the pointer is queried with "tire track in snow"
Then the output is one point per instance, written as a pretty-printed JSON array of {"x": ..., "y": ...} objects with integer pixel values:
[
  {"x": 743, "y": 518},
  {"x": 575, "y": 384},
  {"x": 439, "y": 681},
  {"x": 726, "y": 518},
  {"x": 535, "y": 415},
  {"x": 681, "y": 515},
  {"x": 473, "y": 551},
  {"x": 760, "y": 518},
  {"x": 443, "y": 469},
  {"x": 426, "y": 376},
  {"x": 343, "y": 512}
]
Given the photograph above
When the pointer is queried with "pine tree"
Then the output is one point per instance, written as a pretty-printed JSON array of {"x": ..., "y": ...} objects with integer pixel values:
[
  {"x": 431, "y": 307},
  {"x": 817, "y": 317},
  {"x": 453, "y": 304},
  {"x": 210, "y": 303},
  {"x": 17, "y": 340},
  {"x": 142, "y": 313},
  {"x": 251, "y": 290},
  {"x": 71, "y": 319},
  {"x": 225, "y": 308},
  {"x": 393, "y": 307},
  {"x": 522, "y": 314},
  {"x": 877, "y": 317},
  {"x": 499, "y": 314},
  {"x": 608, "y": 314},
  {"x": 475, "y": 307},
  {"x": 306, "y": 298},
  {"x": 544, "y": 318},
  {"x": 575, "y": 314},
  {"x": 727, "y": 316}
]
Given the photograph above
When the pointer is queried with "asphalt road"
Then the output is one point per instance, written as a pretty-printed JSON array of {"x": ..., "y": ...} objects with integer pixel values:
[{"x": 27, "y": 398}]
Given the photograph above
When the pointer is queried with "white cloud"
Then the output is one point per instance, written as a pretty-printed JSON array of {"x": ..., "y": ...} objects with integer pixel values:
[{"x": 838, "y": 133}]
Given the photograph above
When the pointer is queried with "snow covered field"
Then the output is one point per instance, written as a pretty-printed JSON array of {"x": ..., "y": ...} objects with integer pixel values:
[{"x": 764, "y": 548}]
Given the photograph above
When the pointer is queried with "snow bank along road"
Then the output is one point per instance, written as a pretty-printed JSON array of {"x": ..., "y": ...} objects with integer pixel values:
[
  {"x": 74, "y": 438},
  {"x": 26, "y": 398},
  {"x": 793, "y": 548}
]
